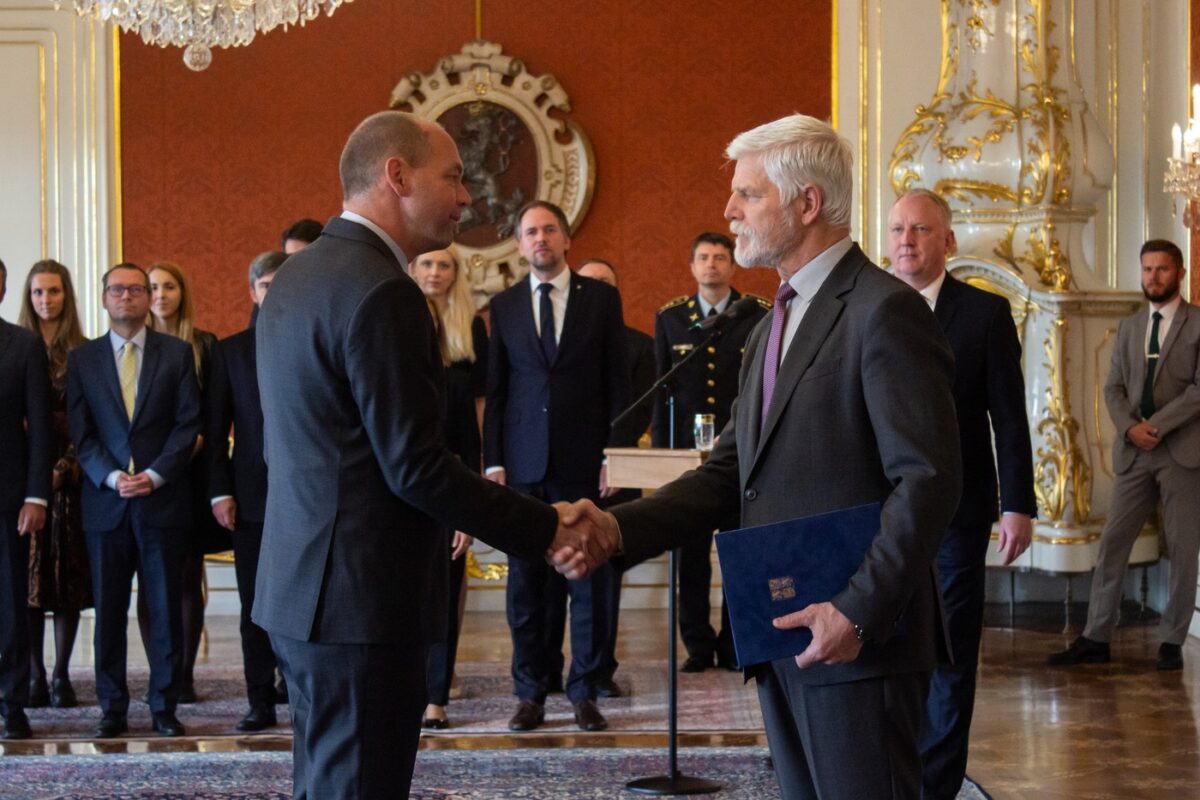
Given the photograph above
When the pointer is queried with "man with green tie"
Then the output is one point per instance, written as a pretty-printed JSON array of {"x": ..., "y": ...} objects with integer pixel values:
[{"x": 1153, "y": 397}]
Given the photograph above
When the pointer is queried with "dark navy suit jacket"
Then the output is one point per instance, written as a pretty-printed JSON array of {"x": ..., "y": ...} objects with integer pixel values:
[
  {"x": 26, "y": 430},
  {"x": 989, "y": 395},
  {"x": 161, "y": 436},
  {"x": 233, "y": 400},
  {"x": 551, "y": 421}
]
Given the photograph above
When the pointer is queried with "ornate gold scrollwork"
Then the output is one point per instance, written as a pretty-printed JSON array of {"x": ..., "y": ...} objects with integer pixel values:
[
  {"x": 491, "y": 571},
  {"x": 1043, "y": 254},
  {"x": 1061, "y": 474}
]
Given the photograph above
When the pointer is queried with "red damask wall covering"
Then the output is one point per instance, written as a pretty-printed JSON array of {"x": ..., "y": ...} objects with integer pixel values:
[{"x": 216, "y": 164}]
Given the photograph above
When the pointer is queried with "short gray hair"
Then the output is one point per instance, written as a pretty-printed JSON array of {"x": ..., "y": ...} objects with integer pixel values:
[
  {"x": 377, "y": 138},
  {"x": 799, "y": 151},
  {"x": 266, "y": 264},
  {"x": 943, "y": 207}
]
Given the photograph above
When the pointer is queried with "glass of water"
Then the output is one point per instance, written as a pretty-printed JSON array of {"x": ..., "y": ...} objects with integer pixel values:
[{"x": 704, "y": 431}]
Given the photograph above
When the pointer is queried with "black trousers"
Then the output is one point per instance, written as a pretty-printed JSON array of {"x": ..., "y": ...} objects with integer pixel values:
[
  {"x": 14, "y": 626},
  {"x": 844, "y": 741},
  {"x": 533, "y": 593},
  {"x": 439, "y": 665},
  {"x": 156, "y": 556},
  {"x": 695, "y": 581},
  {"x": 946, "y": 728},
  {"x": 258, "y": 659},
  {"x": 356, "y": 717}
]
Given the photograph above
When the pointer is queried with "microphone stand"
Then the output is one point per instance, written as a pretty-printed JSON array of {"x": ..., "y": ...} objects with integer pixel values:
[{"x": 674, "y": 782}]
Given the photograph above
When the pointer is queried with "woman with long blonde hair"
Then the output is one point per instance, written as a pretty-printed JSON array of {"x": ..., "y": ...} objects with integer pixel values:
[
  {"x": 60, "y": 580},
  {"x": 463, "y": 339},
  {"x": 171, "y": 312}
]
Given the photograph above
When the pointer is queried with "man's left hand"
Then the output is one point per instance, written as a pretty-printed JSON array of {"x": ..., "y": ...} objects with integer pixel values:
[
  {"x": 31, "y": 518},
  {"x": 1016, "y": 532},
  {"x": 834, "y": 639},
  {"x": 138, "y": 485}
]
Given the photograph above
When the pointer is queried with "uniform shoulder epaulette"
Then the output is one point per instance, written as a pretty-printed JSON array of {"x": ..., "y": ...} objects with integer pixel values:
[
  {"x": 762, "y": 301},
  {"x": 678, "y": 301}
]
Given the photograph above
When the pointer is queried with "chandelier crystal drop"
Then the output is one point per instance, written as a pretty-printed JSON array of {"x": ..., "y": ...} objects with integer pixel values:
[{"x": 200, "y": 25}]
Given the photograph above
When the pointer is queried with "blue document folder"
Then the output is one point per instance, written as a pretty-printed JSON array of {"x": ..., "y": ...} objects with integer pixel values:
[{"x": 776, "y": 569}]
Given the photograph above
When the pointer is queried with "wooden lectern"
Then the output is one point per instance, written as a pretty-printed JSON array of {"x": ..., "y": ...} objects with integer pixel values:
[{"x": 650, "y": 468}]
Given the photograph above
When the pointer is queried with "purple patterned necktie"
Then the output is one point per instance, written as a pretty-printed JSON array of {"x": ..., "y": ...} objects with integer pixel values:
[{"x": 774, "y": 342}]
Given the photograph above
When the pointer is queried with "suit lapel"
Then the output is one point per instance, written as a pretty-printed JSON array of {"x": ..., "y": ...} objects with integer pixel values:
[
  {"x": 572, "y": 315},
  {"x": 947, "y": 302},
  {"x": 150, "y": 360},
  {"x": 5, "y": 338},
  {"x": 752, "y": 394},
  {"x": 108, "y": 371},
  {"x": 819, "y": 319},
  {"x": 526, "y": 305},
  {"x": 1136, "y": 353}
]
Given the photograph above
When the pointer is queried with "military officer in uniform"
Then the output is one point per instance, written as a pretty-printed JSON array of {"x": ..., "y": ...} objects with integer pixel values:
[{"x": 707, "y": 385}]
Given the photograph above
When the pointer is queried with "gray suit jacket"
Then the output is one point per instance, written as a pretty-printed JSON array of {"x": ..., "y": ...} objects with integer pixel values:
[
  {"x": 862, "y": 412},
  {"x": 1176, "y": 386},
  {"x": 360, "y": 485}
]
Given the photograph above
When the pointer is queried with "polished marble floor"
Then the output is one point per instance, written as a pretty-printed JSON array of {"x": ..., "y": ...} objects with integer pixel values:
[{"x": 1119, "y": 730}]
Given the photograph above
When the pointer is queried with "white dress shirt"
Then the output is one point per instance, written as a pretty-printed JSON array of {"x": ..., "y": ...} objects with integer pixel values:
[
  {"x": 378, "y": 231},
  {"x": 1167, "y": 310},
  {"x": 931, "y": 292},
  {"x": 807, "y": 282},
  {"x": 139, "y": 347},
  {"x": 558, "y": 300},
  {"x": 720, "y": 306}
]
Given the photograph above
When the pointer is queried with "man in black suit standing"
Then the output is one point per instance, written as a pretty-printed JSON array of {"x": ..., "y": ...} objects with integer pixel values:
[
  {"x": 639, "y": 351},
  {"x": 557, "y": 376},
  {"x": 845, "y": 399},
  {"x": 133, "y": 406},
  {"x": 706, "y": 385},
  {"x": 238, "y": 486},
  {"x": 360, "y": 485},
  {"x": 989, "y": 397},
  {"x": 27, "y": 441}
]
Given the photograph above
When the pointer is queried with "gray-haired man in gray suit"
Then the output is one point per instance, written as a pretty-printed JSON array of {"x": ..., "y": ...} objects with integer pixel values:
[
  {"x": 844, "y": 399},
  {"x": 1153, "y": 397}
]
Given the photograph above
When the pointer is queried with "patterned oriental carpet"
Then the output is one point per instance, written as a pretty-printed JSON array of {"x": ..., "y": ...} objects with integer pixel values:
[{"x": 551, "y": 774}]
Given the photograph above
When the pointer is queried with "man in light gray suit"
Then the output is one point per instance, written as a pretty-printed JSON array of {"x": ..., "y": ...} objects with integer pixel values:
[
  {"x": 844, "y": 399},
  {"x": 1153, "y": 397}
]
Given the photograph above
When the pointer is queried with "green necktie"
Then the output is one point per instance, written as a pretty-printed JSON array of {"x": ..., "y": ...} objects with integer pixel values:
[{"x": 1147, "y": 407}]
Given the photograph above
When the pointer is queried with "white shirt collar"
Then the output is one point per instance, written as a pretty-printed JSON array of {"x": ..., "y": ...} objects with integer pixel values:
[
  {"x": 808, "y": 279},
  {"x": 139, "y": 340},
  {"x": 720, "y": 306},
  {"x": 378, "y": 231},
  {"x": 561, "y": 281},
  {"x": 931, "y": 292}
]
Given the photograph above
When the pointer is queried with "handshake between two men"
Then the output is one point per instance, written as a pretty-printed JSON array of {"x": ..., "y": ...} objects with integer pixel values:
[{"x": 586, "y": 538}]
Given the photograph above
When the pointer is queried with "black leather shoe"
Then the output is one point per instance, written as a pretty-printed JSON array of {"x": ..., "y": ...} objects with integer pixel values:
[
  {"x": 16, "y": 724},
  {"x": 608, "y": 688},
  {"x": 529, "y": 715},
  {"x": 1170, "y": 656},
  {"x": 187, "y": 695},
  {"x": 261, "y": 716},
  {"x": 62, "y": 694},
  {"x": 39, "y": 693},
  {"x": 696, "y": 664},
  {"x": 588, "y": 716},
  {"x": 1082, "y": 651},
  {"x": 165, "y": 724},
  {"x": 111, "y": 724},
  {"x": 435, "y": 723}
]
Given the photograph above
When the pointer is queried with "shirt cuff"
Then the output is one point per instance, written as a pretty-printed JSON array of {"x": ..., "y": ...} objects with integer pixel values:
[
  {"x": 37, "y": 501},
  {"x": 491, "y": 470},
  {"x": 220, "y": 498},
  {"x": 155, "y": 478},
  {"x": 111, "y": 480}
]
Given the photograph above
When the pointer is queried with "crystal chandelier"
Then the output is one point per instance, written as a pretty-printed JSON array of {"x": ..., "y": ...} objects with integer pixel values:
[
  {"x": 199, "y": 25},
  {"x": 1183, "y": 167}
]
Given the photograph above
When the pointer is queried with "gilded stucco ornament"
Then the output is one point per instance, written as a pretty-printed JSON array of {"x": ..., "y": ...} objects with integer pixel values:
[{"x": 516, "y": 145}]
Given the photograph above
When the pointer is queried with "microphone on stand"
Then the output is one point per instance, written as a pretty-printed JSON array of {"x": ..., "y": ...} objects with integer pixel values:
[{"x": 739, "y": 310}]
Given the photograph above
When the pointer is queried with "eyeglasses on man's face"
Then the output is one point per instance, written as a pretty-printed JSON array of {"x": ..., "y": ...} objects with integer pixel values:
[{"x": 116, "y": 290}]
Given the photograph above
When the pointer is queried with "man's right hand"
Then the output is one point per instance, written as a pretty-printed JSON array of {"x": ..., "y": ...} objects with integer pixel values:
[
  {"x": 1143, "y": 435},
  {"x": 585, "y": 539},
  {"x": 225, "y": 512}
]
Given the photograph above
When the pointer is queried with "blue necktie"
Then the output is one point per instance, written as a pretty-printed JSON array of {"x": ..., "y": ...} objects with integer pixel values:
[{"x": 546, "y": 320}]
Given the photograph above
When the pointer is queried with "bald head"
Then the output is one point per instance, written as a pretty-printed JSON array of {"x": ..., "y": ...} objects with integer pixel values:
[
  {"x": 599, "y": 269},
  {"x": 388, "y": 134}
]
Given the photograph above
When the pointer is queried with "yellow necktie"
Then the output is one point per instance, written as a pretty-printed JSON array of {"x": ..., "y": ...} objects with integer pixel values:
[{"x": 129, "y": 378}]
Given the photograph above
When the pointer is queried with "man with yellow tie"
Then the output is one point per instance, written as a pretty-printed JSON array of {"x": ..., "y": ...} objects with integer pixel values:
[{"x": 134, "y": 412}]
